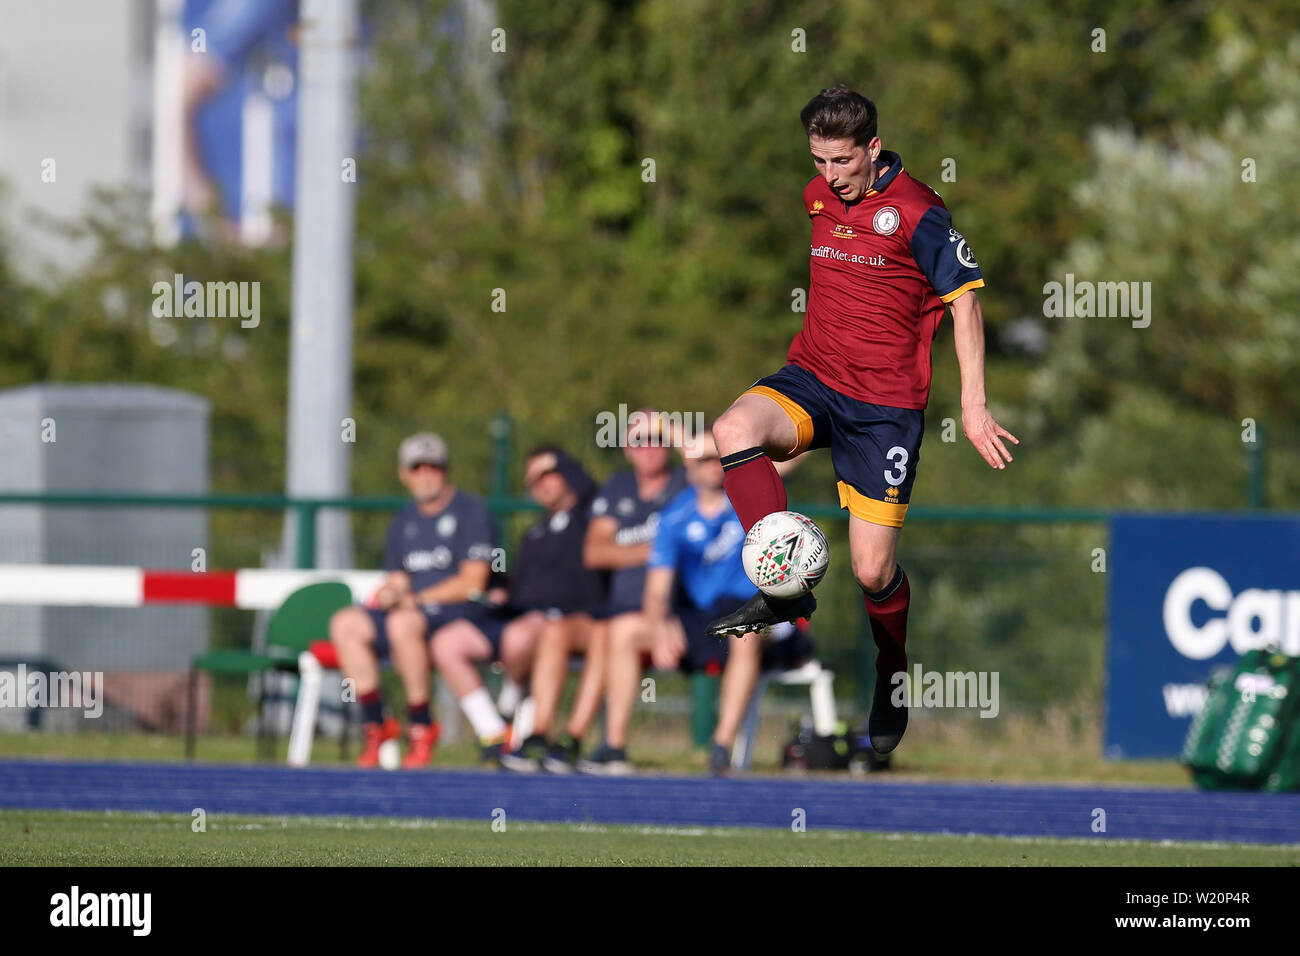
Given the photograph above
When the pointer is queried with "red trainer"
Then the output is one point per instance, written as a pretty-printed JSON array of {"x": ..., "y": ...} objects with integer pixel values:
[
  {"x": 374, "y": 735},
  {"x": 420, "y": 741}
]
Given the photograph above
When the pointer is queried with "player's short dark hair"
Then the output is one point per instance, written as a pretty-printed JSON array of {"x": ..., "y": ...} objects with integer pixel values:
[
  {"x": 839, "y": 113},
  {"x": 537, "y": 451}
]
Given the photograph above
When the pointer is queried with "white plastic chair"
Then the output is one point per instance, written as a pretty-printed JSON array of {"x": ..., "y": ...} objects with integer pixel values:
[{"x": 821, "y": 691}]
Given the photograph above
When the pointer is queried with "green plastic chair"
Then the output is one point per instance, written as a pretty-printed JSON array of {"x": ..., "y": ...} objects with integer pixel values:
[{"x": 302, "y": 618}]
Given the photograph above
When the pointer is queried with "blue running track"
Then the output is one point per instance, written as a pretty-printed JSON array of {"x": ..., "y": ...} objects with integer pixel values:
[{"x": 875, "y": 803}]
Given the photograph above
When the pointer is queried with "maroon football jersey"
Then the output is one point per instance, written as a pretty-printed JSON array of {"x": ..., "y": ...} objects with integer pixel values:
[{"x": 882, "y": 269}]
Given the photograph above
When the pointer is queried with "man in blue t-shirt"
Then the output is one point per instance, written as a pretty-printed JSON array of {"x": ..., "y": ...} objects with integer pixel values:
[
  {"x": 438, "y": 555},
  {"x": 695, "y": 555}
]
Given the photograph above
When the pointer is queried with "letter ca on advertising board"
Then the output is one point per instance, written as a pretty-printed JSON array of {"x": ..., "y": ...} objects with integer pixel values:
[{"x": 1232, "y": 618}]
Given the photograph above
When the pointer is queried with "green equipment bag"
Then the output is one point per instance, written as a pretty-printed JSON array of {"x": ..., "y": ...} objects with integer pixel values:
[
  {"x": 1247, "y": 726},
  {"x": 1285, "y": 774},
  {"x": 1203, "y": 735}
]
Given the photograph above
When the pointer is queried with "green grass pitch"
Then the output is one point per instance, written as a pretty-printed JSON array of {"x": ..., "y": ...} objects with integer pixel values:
[{"x": 52, "y": 838}]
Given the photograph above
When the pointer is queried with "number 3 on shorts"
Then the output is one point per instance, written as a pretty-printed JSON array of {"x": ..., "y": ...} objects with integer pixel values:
[{"x": 898, "y": 474}]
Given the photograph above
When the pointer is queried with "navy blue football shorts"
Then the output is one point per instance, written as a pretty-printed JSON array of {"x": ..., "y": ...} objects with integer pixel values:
[
  {"x": 784, "y": 648},
  {"x": 603, "y": 612},
  {"x": 432, "y": 621},
  {"x": 490, "y": 621},
  {"x": 874, "y": 448},
  {"x": 704, "y": 653}
]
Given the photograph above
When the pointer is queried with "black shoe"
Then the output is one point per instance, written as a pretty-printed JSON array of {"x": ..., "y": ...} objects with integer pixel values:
[
  {"x": 491, "y": 753},
  {"x": 719, "y": 760},
  {"x": 561, "y": 756},
  {"x": 607, "y": 761},
  {"x": 528, "y": 758},
  {"x": 887, "y": 723},
  {"x": 761, "y": 612}
]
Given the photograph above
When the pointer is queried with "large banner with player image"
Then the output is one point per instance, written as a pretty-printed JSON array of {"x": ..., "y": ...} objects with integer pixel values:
[{"x": 1189, "y": 594}]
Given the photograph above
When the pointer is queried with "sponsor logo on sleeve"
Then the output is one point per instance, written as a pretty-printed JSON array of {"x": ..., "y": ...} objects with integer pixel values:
[{"x": 964, "y": 255}]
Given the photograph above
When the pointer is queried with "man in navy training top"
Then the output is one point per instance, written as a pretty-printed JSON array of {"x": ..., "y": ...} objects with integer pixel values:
[
  {"x": 552, "y": 590},
  {"x": 624, "y": 517},
  {"x": 696, "y": 555},
  {"x": 438, "y": 554}
]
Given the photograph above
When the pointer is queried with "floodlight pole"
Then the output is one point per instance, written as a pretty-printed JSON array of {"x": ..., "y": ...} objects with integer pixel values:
[{"x": 320, "y": 362}]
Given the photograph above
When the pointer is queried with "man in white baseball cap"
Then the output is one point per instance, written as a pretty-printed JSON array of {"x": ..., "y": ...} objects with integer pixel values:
[{"x": 438, "y": 554}]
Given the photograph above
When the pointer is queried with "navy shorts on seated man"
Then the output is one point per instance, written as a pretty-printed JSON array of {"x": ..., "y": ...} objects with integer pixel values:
[
  {"x": 705, "y": 653},
  {"x": 379, "y": 617},
  {"x": 488, "y": 620},
  {"x": 786, "y": 646}
]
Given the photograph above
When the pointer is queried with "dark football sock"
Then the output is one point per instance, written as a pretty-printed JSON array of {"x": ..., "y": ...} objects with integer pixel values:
[
  {"x": 372, "y": 707},
  {"x": 887, "y": 610},
  {"x": 752, "y": 484},
  {"x": 418, "y": 714}
]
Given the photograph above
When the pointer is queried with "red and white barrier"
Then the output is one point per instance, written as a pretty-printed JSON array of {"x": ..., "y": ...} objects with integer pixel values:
[{"x": 72, "y": 585}]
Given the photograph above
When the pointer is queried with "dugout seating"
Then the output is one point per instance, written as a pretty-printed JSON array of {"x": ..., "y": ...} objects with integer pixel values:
[{"x": 299, "y": 622}]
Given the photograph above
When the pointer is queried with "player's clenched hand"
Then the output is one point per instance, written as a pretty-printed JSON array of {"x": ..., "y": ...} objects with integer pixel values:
[
  {"x": 668, "y": 649},
  {"x": 392, "y": 595},
  {"x": 986, "y": 435}
]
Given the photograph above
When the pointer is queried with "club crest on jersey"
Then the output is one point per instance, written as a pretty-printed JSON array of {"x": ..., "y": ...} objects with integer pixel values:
[
  {"x": 885, "y": 221},
  {"x": 842, "y": 231},
  {"x": 626, "y": 506},
  {"x": 559, "y": 521},
  {"x": 447, "y": 525}
]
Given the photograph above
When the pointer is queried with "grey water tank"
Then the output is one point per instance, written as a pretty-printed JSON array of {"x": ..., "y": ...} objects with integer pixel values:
[{"x": 103, "y": 438}]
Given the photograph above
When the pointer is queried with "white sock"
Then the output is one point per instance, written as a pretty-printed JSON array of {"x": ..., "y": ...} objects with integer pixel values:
[
  {"x": 478, "y": 707},
  {"x": 509, "y": 698}
]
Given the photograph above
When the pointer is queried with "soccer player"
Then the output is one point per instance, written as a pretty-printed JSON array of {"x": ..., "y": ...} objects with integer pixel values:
[
  {"x": 438, "y": 554},
  {"x": 624, "y": 517},
  {"x": 885, "y": 263}
]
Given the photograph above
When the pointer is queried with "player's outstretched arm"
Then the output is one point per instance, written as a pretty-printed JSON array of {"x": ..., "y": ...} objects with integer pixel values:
[{"x": 968, "y": 333}]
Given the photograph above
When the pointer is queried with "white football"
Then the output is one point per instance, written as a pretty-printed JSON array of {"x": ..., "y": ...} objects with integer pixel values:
[
  {"x": 390, "y": 755},
  {"x": 785, "y": 554}
]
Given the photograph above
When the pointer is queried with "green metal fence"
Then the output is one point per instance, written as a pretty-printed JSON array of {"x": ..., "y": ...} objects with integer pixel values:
[
  {"x": 994, "y": 589},
  {"x": 1018, "y": 591}
]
